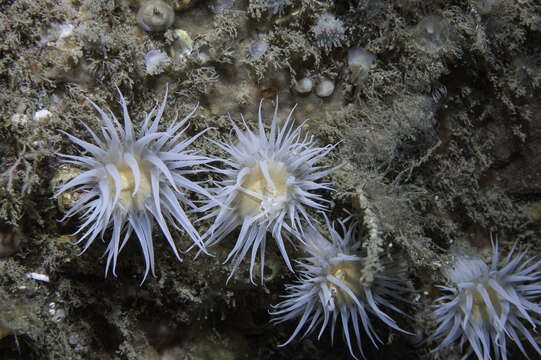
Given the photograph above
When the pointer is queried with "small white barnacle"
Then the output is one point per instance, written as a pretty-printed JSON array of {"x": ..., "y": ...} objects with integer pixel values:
[
  {"x": 304, "y": 85},
  {"x": 155, "y": 15}
]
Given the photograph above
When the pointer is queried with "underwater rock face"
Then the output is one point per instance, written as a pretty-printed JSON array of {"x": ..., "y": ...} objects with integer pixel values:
[
  {"x": 10, "y": 240},
  {"x": 520, "y": 175},
  {"x": 432, "y": 110}
]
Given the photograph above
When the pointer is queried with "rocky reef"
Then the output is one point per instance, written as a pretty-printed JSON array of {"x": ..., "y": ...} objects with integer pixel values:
[{"x": 433, "y": 106}]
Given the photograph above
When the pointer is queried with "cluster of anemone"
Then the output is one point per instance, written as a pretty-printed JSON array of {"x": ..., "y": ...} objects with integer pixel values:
[
  {"x": 271, "y": 183},
  {"x": 128, "y": 181}
]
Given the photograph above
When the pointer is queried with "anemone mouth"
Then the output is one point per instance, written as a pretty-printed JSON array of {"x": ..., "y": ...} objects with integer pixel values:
[
  {"x": 135, "y": 186},
  {"x": 264, "y": 188},
  {"x": 348, "y": 273},
  {"x": 487, "y": 306},
  {"x": 480, "y": 309}
]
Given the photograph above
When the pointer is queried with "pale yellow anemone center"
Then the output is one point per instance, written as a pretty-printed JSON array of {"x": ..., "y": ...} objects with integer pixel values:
[
  {"x": 349, "y": 273},
  {"x": 263, "y": 195},
  {"x": 127, "y": 199},
  {"x": 480, "y": 310}
]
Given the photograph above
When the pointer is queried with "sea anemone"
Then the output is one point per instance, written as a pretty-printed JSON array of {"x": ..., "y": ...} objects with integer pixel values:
[
  {"x": 128, "y": 180},
  {"x": 329, "y": 32},
  {"x": 268, "y": 186},
  {"x": 486, "y": 305},
  {"x": 329, "y": 288}
]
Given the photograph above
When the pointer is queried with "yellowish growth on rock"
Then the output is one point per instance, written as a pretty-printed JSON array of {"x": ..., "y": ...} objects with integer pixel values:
[
  {"x": 348, "y": 272},
  {"x": 65, "y": 239},
  {"x": 64, "y": 174},
  {"x": 274, "y": 192},
  {"x": 4, "y": 332}
]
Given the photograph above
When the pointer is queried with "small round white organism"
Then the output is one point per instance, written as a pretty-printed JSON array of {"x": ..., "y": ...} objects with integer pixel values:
[
  {"x": 329, "y": 290},
  {"x": 304, "y": 85},
  {"x": 270, "y": 183},
  {"x": 487, "y": 305},
  {"x": 129, "y": 181},
  {"x": 325, "y": 88}
]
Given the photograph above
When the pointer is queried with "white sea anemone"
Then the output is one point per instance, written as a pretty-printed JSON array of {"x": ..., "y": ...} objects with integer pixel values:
[
  {"x": 488, "y": 304},
  {"x": 329, "y": 32},
  {"x": 329, "y": 289},
  {"x": 129, "y": 180},
  {"x": 268, "y": 186}
]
